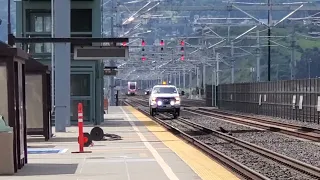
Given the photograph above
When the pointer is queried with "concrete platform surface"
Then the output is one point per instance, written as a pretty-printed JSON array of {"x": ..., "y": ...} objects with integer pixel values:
[{"x": 145, "y": 151}]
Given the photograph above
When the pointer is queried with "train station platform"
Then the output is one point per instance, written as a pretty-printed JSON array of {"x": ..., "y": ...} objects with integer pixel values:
[{"x": 145, "y": 151}]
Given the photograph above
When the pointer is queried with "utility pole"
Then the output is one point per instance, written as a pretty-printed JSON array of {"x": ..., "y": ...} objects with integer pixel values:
[
  {"x": 228, "y": 21},
  {"x": 198, "y": 81},
  {"x": 258, "y": 56},
  {"x": 309, "y": 68},
  {"x": 217, "y": 68},
  {"x": 175, "y": 78},
  {"x": 197, "y": 77},
  {"x": 179, "y": 81},
  {"x": 292, "y": 62},
  {"x": 190, "y": 79},
  {"x": 184, "y": 78},
  {"x": 214, "y": 81},
  {"x": 190, "y": 83},
  {"x": 269, "y": 40},
  {"x": 277, "y": 74},
  {"x": 232, "y": 62},
  {"x": 204, "y": 78}
]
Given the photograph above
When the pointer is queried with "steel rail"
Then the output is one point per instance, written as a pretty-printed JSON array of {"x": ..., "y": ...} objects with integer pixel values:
[
  {"x": 292, "y": 126},
  {"x": 263, "y": 125},
  {"x": 298, "y": 165},
  {"x": 230, "y": 163}
]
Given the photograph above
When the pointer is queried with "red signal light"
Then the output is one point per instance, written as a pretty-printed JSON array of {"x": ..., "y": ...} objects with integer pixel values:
[
  {"x": 182, "y": 43},
  {"x": 124, "y": 44},
  {"x": 182, "y": 57},
  {"x": 143, "y": 43},
  {"x": 143, "y": 58},
  {"x": 161, "y": 42}
]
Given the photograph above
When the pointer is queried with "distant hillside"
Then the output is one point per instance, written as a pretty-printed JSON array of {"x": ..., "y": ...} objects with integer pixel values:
[
  {"x": 3, "y": 11},
  {"x": 280, "y": 56}
]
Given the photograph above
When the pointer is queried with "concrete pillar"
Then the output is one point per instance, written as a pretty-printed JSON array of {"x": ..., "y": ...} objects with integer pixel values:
[{"x": 62, "y": 63}]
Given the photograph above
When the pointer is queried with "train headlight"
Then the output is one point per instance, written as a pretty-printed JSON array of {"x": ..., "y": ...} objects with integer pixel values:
[
  {"x": 172, "y": 103},
  {"x": 159, "y": 103}
]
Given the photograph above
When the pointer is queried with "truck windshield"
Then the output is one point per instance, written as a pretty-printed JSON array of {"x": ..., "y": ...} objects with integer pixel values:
[{"x": 165, "y": 90}]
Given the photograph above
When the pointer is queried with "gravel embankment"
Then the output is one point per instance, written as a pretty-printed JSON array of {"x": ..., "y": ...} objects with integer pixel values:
[
  {"x": 288, "y": 121},
  {"x": 258, "y": 163},
  {"x": 304, "y": 151}
]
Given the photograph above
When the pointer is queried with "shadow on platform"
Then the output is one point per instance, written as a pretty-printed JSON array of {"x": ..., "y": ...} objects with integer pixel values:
[
  {"x": 54, "y": 139},
  {"x": 107, "y": 137},
  {"x": 41, "y": 146},
  {"x": 47, "y": 169},
  {"x": 132, "y": 131}
]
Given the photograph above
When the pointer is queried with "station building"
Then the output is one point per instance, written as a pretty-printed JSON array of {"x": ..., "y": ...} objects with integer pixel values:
[{"x": 33, "y": 19}]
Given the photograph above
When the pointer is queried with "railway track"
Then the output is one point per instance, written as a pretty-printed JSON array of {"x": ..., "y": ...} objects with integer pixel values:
[
  {"x": 241, "y": 170},
  {"x": 192, "y": 131},
  {"x": 263, "y": 120},
  {"x": 274, "y": 126},
  {"x": 269, "y": 125}
]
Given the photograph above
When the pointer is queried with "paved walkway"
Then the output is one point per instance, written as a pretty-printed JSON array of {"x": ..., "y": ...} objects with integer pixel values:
[{"x": 138, "y": 155}]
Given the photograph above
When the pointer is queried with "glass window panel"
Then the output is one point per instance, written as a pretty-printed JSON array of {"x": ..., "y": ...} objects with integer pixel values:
[
  {"x": 47, "y": 47},
  {"x": 74, "y": 110},
  {"x": 47, "y": 23},
  {"x": 80, "y": 85},
  {"x": 3, "y": 92},
  {"x": 38, "y": 48},
  {"x": 81, "y": 20},
  {"x": 38, "y": 24}
]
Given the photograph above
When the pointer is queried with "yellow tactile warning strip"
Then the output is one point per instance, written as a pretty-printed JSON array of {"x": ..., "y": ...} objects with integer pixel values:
[
  {"x": 117, "y": 150},
  {"x": 201, "y": 164}
]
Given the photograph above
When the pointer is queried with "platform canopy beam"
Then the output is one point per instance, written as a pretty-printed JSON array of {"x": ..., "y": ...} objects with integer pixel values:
[{"x": 73, "y": 40}]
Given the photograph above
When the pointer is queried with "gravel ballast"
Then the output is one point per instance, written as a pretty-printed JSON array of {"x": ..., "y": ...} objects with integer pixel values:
[
  {"x": 304, "y": 151},
  {"x": 256, "y": 162}
]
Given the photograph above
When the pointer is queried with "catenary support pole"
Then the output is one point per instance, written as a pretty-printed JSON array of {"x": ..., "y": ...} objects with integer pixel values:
[
  {"x": 269, "y": 40},
  {"x": 258, "y": 57}
]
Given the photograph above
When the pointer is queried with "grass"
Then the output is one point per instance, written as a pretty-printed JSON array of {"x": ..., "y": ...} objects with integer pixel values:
[{"x": 308, "y": 43}]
